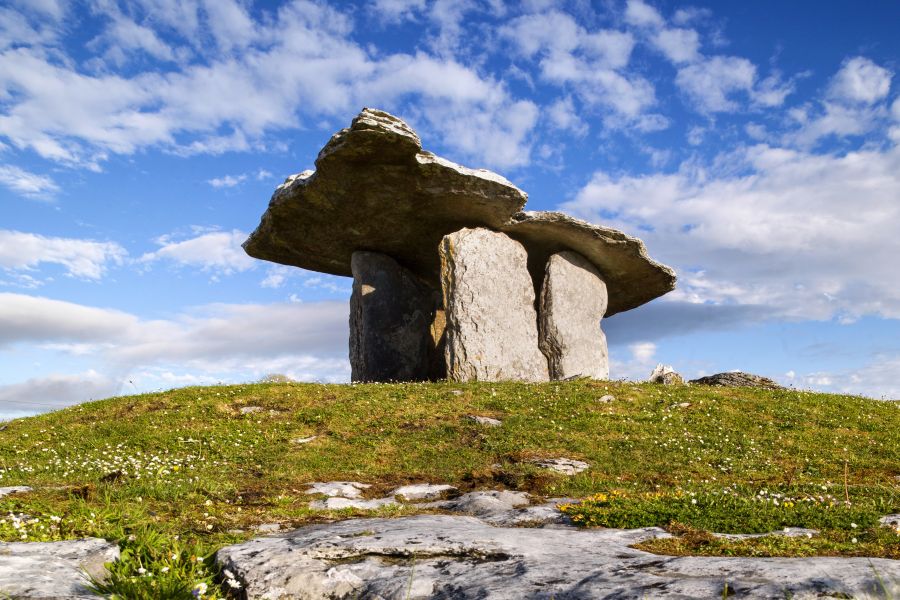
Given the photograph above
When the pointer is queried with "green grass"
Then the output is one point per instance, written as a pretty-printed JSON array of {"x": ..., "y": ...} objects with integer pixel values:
[{"x": 173, "y": 476}]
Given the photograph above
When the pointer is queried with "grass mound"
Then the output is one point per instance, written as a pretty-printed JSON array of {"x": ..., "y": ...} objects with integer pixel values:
[{"x": 175, "y": 475}]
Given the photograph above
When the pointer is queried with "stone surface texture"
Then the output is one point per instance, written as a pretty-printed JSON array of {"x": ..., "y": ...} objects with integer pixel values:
[
  {"x": 563, "y": 466},
  {"x": 422, "y": 491},
  {"x": 376, "y": 189},
  {"x": 444, "y": 556},
  {"x": 391, "y": 313},
  {"x": 573, "y": 301},
  {"x": 491, "y": 331},
  {"x": 344, "y": 489},
  {"x": 665, "y": 375},
  {"x": 14, "y": 489},
  {"x": 53, "y": 570},
  {"x": 486, "y": 421},
  {"x": 737, "y": 379}
]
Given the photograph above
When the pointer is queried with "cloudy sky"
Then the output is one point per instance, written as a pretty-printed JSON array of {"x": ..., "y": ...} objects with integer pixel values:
[{"x": 754, "y": 146}]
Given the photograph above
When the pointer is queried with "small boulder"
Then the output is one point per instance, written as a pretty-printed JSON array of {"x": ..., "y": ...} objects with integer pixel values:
[
  {"x": 665, "y": 375},
  {"x": 342, "y": 489},
  {"x": 564, "y": 466},
  {"x": 15, "y": 489},
  {"x": 422, "y": 491},
  {"x": 486, "y": 421},
  {"x": 737, "y": 379}
]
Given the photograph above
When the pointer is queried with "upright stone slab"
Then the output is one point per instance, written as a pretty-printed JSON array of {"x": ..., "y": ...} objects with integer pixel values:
[
  {"x": 391, "y": 314},
  {"x": 491, "y": 325},
  {"x": 573, "y": 300}
]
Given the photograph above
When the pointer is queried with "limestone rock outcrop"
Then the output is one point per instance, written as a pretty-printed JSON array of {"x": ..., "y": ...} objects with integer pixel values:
[
  {"x": 737, "y": 379},
  {"x": 49, "y": 570},
  {"x": 391, "y": 313},
  {"x": 573, "y": 300},
  {"x": 491, "y": 330},
  {"x": 444, "y": 556}
]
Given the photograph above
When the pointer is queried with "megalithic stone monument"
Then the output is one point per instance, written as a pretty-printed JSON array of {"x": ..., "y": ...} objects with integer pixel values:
[{"x": 430, "y": 242}]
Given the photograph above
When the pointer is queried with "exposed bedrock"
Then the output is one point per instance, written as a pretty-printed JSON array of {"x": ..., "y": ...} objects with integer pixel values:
[
  {"x": 573, "y": 300},
  {"x": 491, "y": 324},
  {"x": 391, "y": 316}
]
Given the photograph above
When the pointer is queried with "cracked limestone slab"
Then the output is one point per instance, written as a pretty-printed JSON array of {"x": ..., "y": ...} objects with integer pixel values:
[
  {"x": 14, "y": 489},
  {"x": 564, "y": 466},
  {"x": 343, "y": 489},
  {"x": 465, "y": 558},
  {"x": 422, "y": 491},
  {"x": 53, "y": 570},
  {"x": 338, "y": 503}
]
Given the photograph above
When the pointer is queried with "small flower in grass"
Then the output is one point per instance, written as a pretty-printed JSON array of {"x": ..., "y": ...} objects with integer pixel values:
[
  {"x": 853, "y": 540},
  {"x": 142, "y": 571},
  {"x": 853, "y": 525},
  {"x": 199, "y": 590},
  {"x": 164, "y": 570}
]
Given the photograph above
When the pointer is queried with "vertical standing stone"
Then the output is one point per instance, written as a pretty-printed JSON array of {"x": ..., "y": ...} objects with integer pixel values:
[
  {"x": 573, "y": 300},
  {"x": 491, "y": 324},
  {"x": 391, "y": 316}
]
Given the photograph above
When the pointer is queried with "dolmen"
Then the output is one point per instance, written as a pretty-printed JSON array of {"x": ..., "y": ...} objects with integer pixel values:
[{"x": 451, "y": 278}]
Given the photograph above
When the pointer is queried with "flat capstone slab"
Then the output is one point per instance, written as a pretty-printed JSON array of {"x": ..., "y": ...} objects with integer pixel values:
[
  {"x": 441, "y": 556},
  {"x": 375, "y": 189},
  {"x": 53, "y": 570}
]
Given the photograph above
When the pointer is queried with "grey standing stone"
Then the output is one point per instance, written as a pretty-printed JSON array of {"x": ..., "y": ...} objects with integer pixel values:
[
  {"x": 573, "y": 300},
  {"x": 391, "y": 316},
  {"x": 491, "y": 331}
]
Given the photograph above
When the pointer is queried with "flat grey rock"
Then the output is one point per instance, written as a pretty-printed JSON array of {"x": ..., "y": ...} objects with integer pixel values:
[
  {"x": 491, "y": 330},
  {"x": 268, "y": 527},
  {"x": 248, "y": 410},
  {"x": 422, "y": 491},
  {"x": 441, "y": 556},
  {"x": 337, "y": 503},
  {"x": 53, "y": 570},
  {"x": 343, "y": 489},
  {"x": 891, "y": 521},
  {"x": 565, "y": 466},
  {"x": 786, "y": 532},
  {"x": 486, "y": 421},
  {"x": 376, "y": 189},
  {"x": 737, "y": 379},
  {"x": 572, "y": 303},
  {"x": 391, "y": 313},
  {"x": 304, "y": 440},
  {"x": 14, "y": 489},
  {"x": 606, "y": 398},
  {"x": 632, "y": 278},
  {"x": 486, "y": 503}
]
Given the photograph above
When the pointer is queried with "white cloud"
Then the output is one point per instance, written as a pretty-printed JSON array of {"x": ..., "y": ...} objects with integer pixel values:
[
  {"x": 28, "y": 184},
  {"x": 563, "y": 116},
  {"x": 860, "y": 80},
  {"x": 396, "y": 11},
  {"x": 877, "y": 379},
  {"x": 87, "y": 259},
  {"x": 643, "y": 351},
  {"x": 807, "y": 236},
  {"x": 225, "y": 342},
  {"x": 216, "y": 251},
  {"x": 26, "y": 318},
  {"x": 234, "y": 98},
  {"x": 642, "y": 14},
  {"x": 55, "y": 391},
  {"x": 227, "y": 181},
  {"x": 678, "y": 45},
  {"x": 710, "y": 84}
]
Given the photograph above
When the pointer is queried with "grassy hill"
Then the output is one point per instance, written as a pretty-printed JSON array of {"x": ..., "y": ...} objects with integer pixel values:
[{"x": 174, "y": 475}]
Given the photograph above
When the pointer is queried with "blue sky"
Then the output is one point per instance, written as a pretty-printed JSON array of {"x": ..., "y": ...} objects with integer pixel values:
[{"x": 754, "y": 146}]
